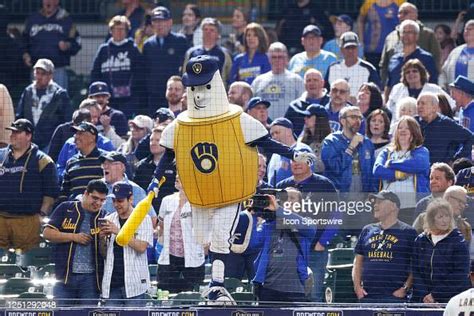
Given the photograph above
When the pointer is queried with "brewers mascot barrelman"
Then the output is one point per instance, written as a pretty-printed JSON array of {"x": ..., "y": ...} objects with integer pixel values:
[{"x": 214, "y": 144}]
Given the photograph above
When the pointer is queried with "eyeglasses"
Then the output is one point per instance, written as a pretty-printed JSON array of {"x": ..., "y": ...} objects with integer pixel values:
[
  {"x": 98, "y": 199},
  {"x": 278, "y": 57},
  {"x": 353, "y": 117},
  {"x": 339, "y": 91}
]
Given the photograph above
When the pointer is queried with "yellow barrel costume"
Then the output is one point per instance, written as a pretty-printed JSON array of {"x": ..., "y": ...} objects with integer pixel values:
[{"x": 215, "y": 165}]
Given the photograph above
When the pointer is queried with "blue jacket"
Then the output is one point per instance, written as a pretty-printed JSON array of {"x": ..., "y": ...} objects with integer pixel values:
[
  {"x": 418, "y": 165},
  {"x": 316, "y": 184},
  {"x": 67, "y": 218},
  {"x": 397, "y": 61},
  {"x": 42, "y": 35},
  {"x": 338, "y": 163},
  {"x": 25, "y": 181},
  {"x": 441, "y": 269},
  {"x": 161, "y": 62},
  {"x": 263, "y": 240},
  {"x": 445, "y": 139},
  {"x": 120, "y": 66}
]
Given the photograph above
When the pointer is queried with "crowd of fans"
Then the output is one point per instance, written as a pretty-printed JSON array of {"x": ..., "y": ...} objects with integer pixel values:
[{"x": 387, "y": 110}]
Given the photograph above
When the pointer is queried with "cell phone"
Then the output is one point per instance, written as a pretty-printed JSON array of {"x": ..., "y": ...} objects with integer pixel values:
[{"x": 102, "y": 221}]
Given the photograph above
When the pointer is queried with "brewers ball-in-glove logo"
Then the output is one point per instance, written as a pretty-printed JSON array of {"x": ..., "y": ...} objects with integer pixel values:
[
  {"x": 197, "y": 68},
  {"x": 205, "y": 157}
]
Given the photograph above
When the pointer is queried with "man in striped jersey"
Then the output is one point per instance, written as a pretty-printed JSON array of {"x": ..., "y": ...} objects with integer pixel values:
[{"x": 83, "y": 166}]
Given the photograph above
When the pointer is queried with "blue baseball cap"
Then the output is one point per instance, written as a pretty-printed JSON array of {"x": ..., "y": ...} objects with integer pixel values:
[
  {"x": 98, "y": 88},
  {"x": 164, "y": 114},
  {"x": 312, "y": 29},
  {"x": 22, "y": 125},
  {"x": 160, "y": 13},
  {"x": 345, "y": 19},
  {"x": 281, "y": 121},
  {"x": 121, "y": 190},
  {"x": 315, "y": 109},
  {"x": 113, "y": 156},
  {"x": 464, "y": 84},
  {"x": 200, "y": 70},
  {"x": 256, "y": 101}
]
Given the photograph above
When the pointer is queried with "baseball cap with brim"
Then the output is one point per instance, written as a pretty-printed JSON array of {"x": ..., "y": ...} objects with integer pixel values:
[
  {"x": 346, "y": 19},
  {"x": 85, "y": 127},
  {"x": 142, "y": 121},
  {"x": 98, "y": 88},
  {"x": 160, "y": 13},
  {"x": 312, "y": 29},
  {"x": 121, "y": 190},
  {"x": 256, "y": 101},
  {"x": 386, "y": 195},
  {"x": 464, "y": 84},
  {"x": 200, "y": 70},
  {"x": 45, "y": 64},
  {"x": 315, "y": 109},
  {"x": 164, "y": 114},
  {"x": 21, "y": 125},
  {"x": 349, "y": 39},
  {"x": 114, "y": 157},
  {"x": 281, "y": 121}
]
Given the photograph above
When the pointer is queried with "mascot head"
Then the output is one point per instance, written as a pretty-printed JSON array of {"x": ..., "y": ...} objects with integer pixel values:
[{"x": 205, "y": 90}]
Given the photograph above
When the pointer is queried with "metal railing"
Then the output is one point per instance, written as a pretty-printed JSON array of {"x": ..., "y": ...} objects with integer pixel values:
[{"x": 94, "y": 10}]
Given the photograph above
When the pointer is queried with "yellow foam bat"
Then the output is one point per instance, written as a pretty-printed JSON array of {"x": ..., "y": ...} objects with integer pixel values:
[{"x": 136, "y": 218}]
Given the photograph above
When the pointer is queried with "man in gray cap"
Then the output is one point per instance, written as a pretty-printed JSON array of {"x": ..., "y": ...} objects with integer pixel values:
[
  {"x": 44, "y": 103},
  {"x": 351, "y": 67},
  {"x": 462, "y": 91}
]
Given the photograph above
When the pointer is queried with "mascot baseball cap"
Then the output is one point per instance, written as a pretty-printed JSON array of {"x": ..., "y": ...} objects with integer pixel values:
[{"x": 200, "y": 70}]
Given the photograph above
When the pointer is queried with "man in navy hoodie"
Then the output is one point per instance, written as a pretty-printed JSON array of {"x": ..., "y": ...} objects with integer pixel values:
[
  {"x": 50, "y": 33},
  {"x": 118, "y": 63},
  {"x": 445, "y": 139}
]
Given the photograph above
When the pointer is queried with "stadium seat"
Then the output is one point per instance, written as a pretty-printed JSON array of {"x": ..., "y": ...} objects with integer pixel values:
[
  {"x": 36, "y": 257},
  {"x": 45, "y": 271},
  {"x": 16, "y": 286},
  {"x": 187, "y": 298},
  {"x": 340, "y": 256},
  {"x": 338, "y": 281},
  {"x": 233, "y": 285},
  {"x": 32, "y": 295},
  {"x": 244, "y": 298},
  {"x": 10, "y": 270}
]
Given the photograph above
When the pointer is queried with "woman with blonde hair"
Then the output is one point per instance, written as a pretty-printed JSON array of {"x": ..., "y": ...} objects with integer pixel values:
[
  {"x": 440, "y": 257},
  {"x": 403, "y": 167}
]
